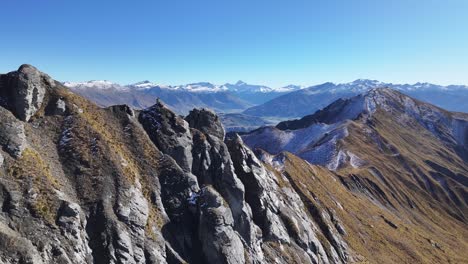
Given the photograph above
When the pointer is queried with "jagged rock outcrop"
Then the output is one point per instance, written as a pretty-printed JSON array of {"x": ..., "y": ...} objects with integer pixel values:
[
  {"x": 12, "y": 135},
  {"x": 169, "y": 132},
  {"x": 24, "y": 90},
  {"x": 220, "y": 243},
  {"x": 206, "y": 121},
  {"x": 279, "y": 208}
]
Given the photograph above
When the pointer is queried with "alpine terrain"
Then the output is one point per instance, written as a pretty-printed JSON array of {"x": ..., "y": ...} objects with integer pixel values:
[
  {"x": 376, "y": 178},
  {"x": 245, "y": 107},
  {"x": 305, "y": 101},
  {"x": 180, "y": 98}
]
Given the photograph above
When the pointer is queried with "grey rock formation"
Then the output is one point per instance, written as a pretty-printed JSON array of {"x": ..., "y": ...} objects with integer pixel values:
[
  {"x": 206, "y": 121},
  {"x": 24, "y": 90},
  {"x": 212, "y": 165},
  {"x": 220, "y": 243},
  {"x": 12, "y": 134},
  {"x": 169, "y": 132},
  {"x": 72, "y": 223},
  {"x": 278, "y": 210}
]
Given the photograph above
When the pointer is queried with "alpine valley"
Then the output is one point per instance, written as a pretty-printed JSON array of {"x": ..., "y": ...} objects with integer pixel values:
[{"x": 363, "y": 172}]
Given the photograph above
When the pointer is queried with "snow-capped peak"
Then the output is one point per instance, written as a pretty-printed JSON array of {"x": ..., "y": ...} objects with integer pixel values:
[
  {"x": 144, "y": 84},
  {"x": 367, "y": 82},
  {"x": 99, "y": 84},
  {"x": 201, "y": 87}
]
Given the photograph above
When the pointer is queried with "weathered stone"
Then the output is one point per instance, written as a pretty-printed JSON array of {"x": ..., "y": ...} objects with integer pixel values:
[
  {"x": 220, "y": 243},
  {"x": 12, "y": 134},
  {"x": 169, "y": 132},
  {"x": 206, "y": 121},
  {"x": 132, "y": 207},
  {"x": 72, "y": 224},
  {"x": 25, "y": 90}
]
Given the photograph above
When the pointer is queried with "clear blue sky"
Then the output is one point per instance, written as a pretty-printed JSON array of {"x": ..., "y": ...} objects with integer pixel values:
[{"x": 268, "y": 42}]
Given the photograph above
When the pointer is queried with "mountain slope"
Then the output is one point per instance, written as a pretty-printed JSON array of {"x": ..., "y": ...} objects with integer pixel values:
[
  {"x": 309, "y": 100},
  {"x": 84, "y": 184},
  {"x": 404, "y": 155}
]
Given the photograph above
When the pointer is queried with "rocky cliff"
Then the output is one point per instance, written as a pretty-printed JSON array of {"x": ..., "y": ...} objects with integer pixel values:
[{"x": 84, "y": 184}]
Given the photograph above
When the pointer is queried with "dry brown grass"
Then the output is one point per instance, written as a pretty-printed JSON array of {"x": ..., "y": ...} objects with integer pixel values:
[
  {"x": 371, "y": 239},
  {"x": 31, "y": 167}
]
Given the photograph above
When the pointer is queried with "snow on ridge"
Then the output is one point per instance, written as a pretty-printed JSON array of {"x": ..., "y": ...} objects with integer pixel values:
[
  {"x": 144, "y": 85},
  {"x": 100, "y": 84}
]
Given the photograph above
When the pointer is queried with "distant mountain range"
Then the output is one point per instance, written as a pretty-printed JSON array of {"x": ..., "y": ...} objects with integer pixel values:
[
  {"x": 305, "y": 101},
  {"x": 250, "y": 106},
  {"x": 181, "y": 98}
]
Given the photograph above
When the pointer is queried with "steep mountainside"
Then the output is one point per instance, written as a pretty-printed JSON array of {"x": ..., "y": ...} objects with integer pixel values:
[
  {"x": 405, "y": 156},
  {"x": 303, "y": 102},
  {"x": 84, "y": 184}
]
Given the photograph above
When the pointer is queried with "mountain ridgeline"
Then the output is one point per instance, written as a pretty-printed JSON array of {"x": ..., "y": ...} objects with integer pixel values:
[
  {"x": 246, "y": 107},
  {"x": 305, "y": 101},
  {"x": 377, "y": 178}
]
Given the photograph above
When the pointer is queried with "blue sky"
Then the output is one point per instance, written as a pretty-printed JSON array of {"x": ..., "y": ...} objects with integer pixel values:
[{"x": 268, "y": 42}]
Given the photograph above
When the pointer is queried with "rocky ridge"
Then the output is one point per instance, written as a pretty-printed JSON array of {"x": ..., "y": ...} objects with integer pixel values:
[
  {"x": 84, "y": 184},
  {"x": 116, "y": 185}
]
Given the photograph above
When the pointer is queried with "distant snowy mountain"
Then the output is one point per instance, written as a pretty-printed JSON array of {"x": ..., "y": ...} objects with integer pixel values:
[
  {"x": 243, "y": 87},
  {"x": 252, "y": 100},
  {"x": 258, "y": 94},
  {"x": 95, "y": 84},
  {"x": 181, "y": 98},
  {"x": 318, "y": 137},
  {"x": 306, "y": 101}
]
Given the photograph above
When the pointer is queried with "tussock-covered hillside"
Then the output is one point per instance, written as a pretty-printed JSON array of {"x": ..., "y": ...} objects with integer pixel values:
[{"x": 398, "y": 154}]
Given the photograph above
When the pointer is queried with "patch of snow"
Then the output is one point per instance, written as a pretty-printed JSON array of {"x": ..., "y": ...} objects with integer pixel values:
[
  {"x": 193, "y": 197},
  {"x": 144, "y": 85},
  {"x": 355, "y": 161},
  {"x": 66, "y": 135}
]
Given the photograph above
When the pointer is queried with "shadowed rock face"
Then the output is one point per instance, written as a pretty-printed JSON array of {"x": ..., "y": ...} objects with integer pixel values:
[{"x": 82, "y": 184}]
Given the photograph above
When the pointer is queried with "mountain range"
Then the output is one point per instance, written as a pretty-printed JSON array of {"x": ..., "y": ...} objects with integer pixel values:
[
  {"x": 182, "y": 98},
  {"x": 305, "y": 101},
  {"x": 250, "y": 106},
  {"x": 379, "y": 177}
]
